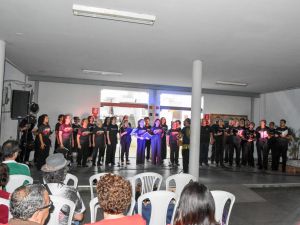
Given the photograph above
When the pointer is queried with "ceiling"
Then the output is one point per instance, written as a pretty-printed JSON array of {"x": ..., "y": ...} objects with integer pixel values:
[{"x": 252, "y": 41}]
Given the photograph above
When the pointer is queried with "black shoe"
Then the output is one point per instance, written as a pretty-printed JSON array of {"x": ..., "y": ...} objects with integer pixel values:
[
  {"x": 200, "y": 164},
  {"x": 206, "y": 164},
  {"x": 85, "y": 166},
  {"x": 94, "y": 164},
  {"x": 238, "y": 166}
]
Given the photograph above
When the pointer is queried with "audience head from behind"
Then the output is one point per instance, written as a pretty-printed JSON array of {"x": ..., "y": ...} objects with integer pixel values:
[
  {"x": 30, "y": 204},
  {"x": 54, "y": 174},
  {"x": 10, "y": 150},
  {"x": 114, "y": 195},
  {"x": 55, "y": 169},
  {"x": 196, "y": 206}
]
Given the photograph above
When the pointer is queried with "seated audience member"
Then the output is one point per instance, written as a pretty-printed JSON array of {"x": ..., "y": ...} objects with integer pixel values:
[
  {"x": 114, "y": 195},
  {"x": 3, "y": 193},
  {"x": 196, "y": 206},
  {"x": 10, "y": 150},
  {"x": 54, "y": 173},
  {"x": 30, "y": 205}
]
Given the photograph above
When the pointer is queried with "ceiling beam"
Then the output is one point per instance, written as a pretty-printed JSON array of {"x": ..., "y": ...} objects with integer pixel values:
[{"x": 136, "y": 85}]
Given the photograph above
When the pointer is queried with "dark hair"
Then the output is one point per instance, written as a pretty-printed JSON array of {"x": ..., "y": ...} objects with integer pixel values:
[
  {"x": 154, "y": 124},
  {"x": 272, "y": 123},
  {"x": 178, "y": 121},
  {"x": 3, "y": 174},
  {"x": 114, "y": 193},
  {"x": 111, "y": 119},
  {"x": 146, "y": 118},
  {"x": 283, "y": 120},
  {"x": 41, "y": 119},
  {"x": 187, "y": 120},
  {"x": 106, "y": 119},
  {"x": 9, "y": 148},
  {"x": 60, "y": 116},
  {"x": 252, "y": 123},
  {"x": 196, "y": 206},
  {"x": 264, "y": 121}
]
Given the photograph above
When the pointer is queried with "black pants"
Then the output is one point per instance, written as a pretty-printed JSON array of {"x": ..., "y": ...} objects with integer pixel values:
[
  {"x": 244, "y": 153},
  {"x": 68, "y": 145},
  {"x": 99, "y": 148},
  {"x": 42, "y": 154},
  {"x": 213, "y": 153},
  {"x": 283, "y": 147},
  {"x": 262, "y": 154},
  {"x": 25, "y": 152},
  {"x": 125, "y": 146},
  {"x": 163, "y": 148},
  {"x": 148, "y": 145},
  {"x": 111, "y": 152},
  {"x": 236, "y": 147},
  {"x": 83, "y": 153},
  {"x": 273, "y": 146},
  {"x": 174, "y": 153},
  {"x": 185, "y": 160},
  {"x": 248, "y": 153},
  {"x": 204, "y": 147},
  {"x": 219, "y": 151},
  {"x": 227, "y": 147}
]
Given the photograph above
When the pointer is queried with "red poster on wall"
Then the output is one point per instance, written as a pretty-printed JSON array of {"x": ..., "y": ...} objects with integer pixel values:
[{"x": 95, "y": 112}]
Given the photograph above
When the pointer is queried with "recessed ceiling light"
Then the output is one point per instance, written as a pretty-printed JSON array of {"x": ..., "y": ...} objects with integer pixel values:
[
  {"x": 231, "y": 83},
  {"x": 105, "y": 73},
  {"x": 19, "y": 33},
  {"x": 110, "y": 14}
]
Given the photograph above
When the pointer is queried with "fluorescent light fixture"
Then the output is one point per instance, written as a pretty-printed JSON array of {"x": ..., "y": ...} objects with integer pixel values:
[
  {"x": 105, "y": 73},
  {"x": 231, "y": 83},
  {"x": 110, "y": 14}
]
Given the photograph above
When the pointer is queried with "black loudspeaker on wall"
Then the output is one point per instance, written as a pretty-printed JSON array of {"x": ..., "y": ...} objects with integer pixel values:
[{"x": 19, "y": 104}]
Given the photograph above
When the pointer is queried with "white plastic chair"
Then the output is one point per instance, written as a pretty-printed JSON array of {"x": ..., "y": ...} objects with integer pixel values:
[
  {"x": 160, "y": 201},
  {"x": 5, "y": 202},
  {"x": 16, "y": 181},
  {"x": 181, "y": 180},
  {"x": 94, "y": 206},
  {"x": 221, "y": 198},
  {"x": 73, "y": 178},
  {"x": 69, "y": 177},
  {"x": 58, "y": 203},
  {"x": 91, "y": 182},
  {"x": 148, "y": 181}
]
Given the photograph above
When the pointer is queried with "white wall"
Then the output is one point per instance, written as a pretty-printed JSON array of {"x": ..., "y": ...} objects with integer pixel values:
[
  {"x": 9, "y": 126},
  {"x": 61, "y": 98},
  {"x": 284, "y": 104},
  {"x": 224, "y": 104}
]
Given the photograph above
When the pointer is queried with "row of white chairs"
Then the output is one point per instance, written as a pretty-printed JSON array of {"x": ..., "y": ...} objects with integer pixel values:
[
  {"x": 160, "y": 200},
  {"x": 148, "y": 182}
]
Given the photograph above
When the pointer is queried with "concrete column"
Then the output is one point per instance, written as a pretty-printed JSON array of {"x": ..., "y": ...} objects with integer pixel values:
[
  {"x": 262, "y": 107},
  {"x": 2, "y": 63},
  {"x": 195, "y": 120}
]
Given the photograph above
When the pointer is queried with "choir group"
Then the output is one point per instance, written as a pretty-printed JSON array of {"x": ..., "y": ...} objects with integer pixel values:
[{"x": 95, "y": 141}]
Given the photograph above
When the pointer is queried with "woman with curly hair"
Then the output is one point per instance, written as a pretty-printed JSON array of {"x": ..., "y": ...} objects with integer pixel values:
[
  {"x": 196, "y": 206},
  {"x": 114, "y": 195}
]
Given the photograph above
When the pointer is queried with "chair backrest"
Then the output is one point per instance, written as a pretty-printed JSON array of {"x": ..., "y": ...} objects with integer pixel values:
[
  {"x": 160, "y": 201},
  {"x": 148, "y": 181},
  {"x": 94, "y": 206},
  {"x": 91, "y": 182},
  {"x": 73, "y": 178},
  {"x": 16, "y": 181},
  {"x": 223, "y": 204},
  {"x": 181, "y": 180},
  {"x": 5, "y": 202},
  {"x": 69, "y": 177},
  {"x": 59, "y": 203}
]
